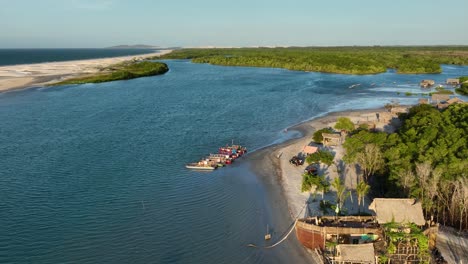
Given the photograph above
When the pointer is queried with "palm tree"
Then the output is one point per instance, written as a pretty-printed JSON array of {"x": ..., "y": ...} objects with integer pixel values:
[
  {"x": 362, "y": 189},
  {"x": 341, "y": 192}
]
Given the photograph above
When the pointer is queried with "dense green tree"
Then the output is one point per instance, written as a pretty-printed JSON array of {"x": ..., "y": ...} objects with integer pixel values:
[
  {"x": 347, "y": 60},
  {"x": 427, "y": 158},
  {"x": 344, "y": 123},
  {"x": 322, "y": 156},
  {"x": 317, "y": 137}
]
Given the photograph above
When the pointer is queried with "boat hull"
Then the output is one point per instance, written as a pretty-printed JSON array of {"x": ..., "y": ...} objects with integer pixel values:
[
  {"x": 310, "y": 238},
  {"x": 200, "y": 167}
]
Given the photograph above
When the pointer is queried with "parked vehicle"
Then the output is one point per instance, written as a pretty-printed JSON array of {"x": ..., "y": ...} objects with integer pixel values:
[{"x": 296, "y": 161}]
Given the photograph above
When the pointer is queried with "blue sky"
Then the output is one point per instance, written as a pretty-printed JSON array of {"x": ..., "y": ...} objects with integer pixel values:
[{"x": 101, "y": 23}]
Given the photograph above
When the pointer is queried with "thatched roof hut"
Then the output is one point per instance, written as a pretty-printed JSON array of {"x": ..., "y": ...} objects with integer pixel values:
[
  {"x": 426, "y": 83},
  {"x": 453, "y": 81},
  {"x": 437, "y": 98},
  {"x": 454, "y": 100},
  {"x": 397, "y": 210},
  {"x": 359, "y": 253},
  {"x": 331, "y": 139}
]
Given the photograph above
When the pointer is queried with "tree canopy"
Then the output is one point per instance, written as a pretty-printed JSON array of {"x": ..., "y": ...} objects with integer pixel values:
[
  {"x": 346, "y": 60},
  {"x": 344, "y": 123},
  {"x": 427, "y": 158},
  {"x": 317, "y": 137}
]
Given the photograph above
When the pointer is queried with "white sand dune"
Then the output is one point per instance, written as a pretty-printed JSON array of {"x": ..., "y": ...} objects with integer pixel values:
[{"x": 28, "y": 75}]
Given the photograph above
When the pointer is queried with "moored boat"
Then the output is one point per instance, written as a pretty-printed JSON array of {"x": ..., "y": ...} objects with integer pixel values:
[{"x": 198, "y": 166}]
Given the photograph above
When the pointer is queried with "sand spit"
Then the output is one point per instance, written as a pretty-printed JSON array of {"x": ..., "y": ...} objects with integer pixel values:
[{"x": 39, "y": 74}]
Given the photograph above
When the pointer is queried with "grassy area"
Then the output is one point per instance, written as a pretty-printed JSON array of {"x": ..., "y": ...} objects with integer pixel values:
[
  {"x": 121, "y": 71},
  {"x": 345, "y": 60}
]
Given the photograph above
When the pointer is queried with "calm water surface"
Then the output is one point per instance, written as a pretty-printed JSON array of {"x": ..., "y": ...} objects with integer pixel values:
[
  {"x": 27, "y": 56},
  {"x": 95, "y": 173}
]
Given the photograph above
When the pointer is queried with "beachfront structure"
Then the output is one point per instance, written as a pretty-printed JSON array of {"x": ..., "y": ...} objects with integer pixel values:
[
  {"x": 314, "y": 232},
  {"x": 453, "y": 81},
  {"x": 355, "y": 254},
  {"x": 454, "y": 100},
  {"x": 331, "y": 139},
  {"x": 397, "y": 210},
  {"x": 446, "y": 104},
  {"x": 426, "y": 83},
  {"x": 439, "y": 98},
  {"x": 307, "y": 150}
]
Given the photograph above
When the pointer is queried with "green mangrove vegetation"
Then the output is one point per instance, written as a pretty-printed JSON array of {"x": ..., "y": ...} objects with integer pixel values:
[
  {"x": 463, "y": 89},
  {"x": 345, "y": 60},
  {"x": 121, "y": 71},
  {"x": 427, "y": 159}
]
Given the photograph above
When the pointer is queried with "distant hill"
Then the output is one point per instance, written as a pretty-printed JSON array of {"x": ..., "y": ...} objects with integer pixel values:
[{"x": 138, "y": 46}]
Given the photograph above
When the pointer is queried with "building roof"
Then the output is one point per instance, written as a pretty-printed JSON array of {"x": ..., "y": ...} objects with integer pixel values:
[
  {"x": 440, "y": 97},
  {"x": 329, "y": 135},
  {"x": 397, "y": 210},
  {"x": 428, "y": 81},
  {"x": 454, "y": 100},
  {"x": 449, "y": 80},
  {"x": 359, "y": 253},
  {"x": 309, "y": 149}
]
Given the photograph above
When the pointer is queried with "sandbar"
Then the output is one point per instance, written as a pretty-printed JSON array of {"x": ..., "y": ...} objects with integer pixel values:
[{"x": 40, "y": 74}]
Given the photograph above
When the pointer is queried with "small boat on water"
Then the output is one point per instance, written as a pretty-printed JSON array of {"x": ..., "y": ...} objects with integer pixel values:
[
  {"x": 225, "y": 156},
  {"x": 200, "y": 166}
]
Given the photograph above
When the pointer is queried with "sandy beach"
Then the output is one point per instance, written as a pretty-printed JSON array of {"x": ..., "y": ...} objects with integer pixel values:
[
  {"x": 290, "y": 176},
  {"x": 283, "y": 180},
  {"x": 28, "y": 75}
]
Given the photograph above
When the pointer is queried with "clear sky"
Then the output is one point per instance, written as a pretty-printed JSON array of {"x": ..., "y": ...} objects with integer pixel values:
[{"x": 101, "y": 23}]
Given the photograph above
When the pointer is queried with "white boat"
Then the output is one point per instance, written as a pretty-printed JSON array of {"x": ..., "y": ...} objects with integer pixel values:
[{"x": 198, "y": 166}]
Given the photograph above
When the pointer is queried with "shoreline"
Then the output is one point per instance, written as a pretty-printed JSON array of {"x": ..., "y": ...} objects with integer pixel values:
[
  {"x": 282, "y": 180},
  {"x": 20, "y": 76}
]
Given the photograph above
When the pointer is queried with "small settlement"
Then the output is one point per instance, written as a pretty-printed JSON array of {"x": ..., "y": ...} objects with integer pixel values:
[
  {"x": 395, "y": 231},
  {"x": 225, "y": 156}
]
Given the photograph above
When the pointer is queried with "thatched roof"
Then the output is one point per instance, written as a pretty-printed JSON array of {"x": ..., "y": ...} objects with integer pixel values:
[
  {"x": 454, "y": 100},
  {"x": 398, "y": 210},
  {"x": 309, "y": 149},
  {"x": 359, "y": 253},
  {"x": 334, "y": 135},
  {"x": 440, "y": 97},
  {"x": 453, "y": 81}
]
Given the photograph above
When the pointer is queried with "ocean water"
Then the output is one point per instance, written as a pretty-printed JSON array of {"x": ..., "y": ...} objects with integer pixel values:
[
  {"x": 28, "y": 56},
  {"x": 95, "y": 173}
]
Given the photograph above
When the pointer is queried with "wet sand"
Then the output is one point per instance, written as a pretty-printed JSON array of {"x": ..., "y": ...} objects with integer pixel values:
[
  {"x": 282, "y": 180},
  {"x": 39, "y": 74}
]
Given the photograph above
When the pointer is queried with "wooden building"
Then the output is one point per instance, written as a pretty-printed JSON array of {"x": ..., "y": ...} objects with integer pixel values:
[
  {"x": 453, "y": 81},
  {"x": 439, "y": 98},
  {"x": 355, "y": 254},
  {"x": 331, "y": 139},
  {"x": 427, "y": 83},
  {"x": 397, "y": 210},
  {"x": 454, "y": 100},
  {"x": 314, "y": 232}
]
